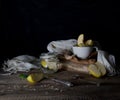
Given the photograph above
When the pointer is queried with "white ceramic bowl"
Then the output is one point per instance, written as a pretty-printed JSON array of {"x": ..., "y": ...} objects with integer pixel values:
[{"x": 82, "y": 52}]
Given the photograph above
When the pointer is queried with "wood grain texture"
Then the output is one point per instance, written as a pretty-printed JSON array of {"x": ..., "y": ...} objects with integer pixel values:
[{"x": 14, "y": 88}]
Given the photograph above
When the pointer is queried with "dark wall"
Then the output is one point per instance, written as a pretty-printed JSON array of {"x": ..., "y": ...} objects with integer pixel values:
[{"x": 27, "y": 26}]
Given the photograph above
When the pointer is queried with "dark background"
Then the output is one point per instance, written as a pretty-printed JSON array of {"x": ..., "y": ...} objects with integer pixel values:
[{"x": 27, "y": 26}]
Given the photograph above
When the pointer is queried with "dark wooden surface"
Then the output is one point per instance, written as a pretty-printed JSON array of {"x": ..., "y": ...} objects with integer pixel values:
[{"x": 14, "y": 88}]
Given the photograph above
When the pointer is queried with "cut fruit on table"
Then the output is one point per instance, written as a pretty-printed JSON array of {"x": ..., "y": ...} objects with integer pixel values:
[
  {"x": 93, "y": 70},
  {"x": 43, "y": 63},
  {"x": 101, "y": 67},
  {"x": 97, "y": 70},
  {"x": 35, "y": 77}
]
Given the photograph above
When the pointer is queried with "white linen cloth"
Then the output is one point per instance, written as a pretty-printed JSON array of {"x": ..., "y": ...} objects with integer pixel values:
[
  {"x": 61, "y": 45},
  {"x": 20, "y": 63}
]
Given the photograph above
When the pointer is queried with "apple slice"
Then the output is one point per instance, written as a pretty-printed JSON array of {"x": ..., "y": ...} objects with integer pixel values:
[
  {"x": 93, "y": 70},
  {"x": 89, "y": 42},
  {"x": 97, "y": 69},
  {"x": 81, "y": 45},
  {"x": 80, "y": 39},
  {"x": 101, "y": 67}
]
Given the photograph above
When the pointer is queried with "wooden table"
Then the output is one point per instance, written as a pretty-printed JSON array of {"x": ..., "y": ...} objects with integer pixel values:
[{"x": 85, "y": 87}]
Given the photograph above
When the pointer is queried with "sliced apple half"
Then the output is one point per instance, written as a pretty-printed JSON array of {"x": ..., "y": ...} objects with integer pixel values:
[
  {"x": 93, "y": 70},
  {"x": 80, "y": 39},
  {"x": 97, "y": 69},
  {"x": 101, "y": 67}
]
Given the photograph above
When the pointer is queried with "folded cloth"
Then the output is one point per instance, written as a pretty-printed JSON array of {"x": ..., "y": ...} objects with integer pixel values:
[{"x": 61, "y": 45}]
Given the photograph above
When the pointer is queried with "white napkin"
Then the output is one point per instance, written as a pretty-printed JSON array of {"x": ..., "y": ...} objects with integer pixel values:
[
  {"x": 61, "y": 45},
  {"x": 20, "y": 63},
  {"x": 108, "y": 60}
]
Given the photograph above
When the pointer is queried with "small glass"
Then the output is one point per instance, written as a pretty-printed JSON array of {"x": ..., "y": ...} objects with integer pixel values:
[{"x": 50, "y": 62}]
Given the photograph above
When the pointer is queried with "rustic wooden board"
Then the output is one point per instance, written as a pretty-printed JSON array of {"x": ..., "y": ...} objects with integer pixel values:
[{"x": 14, "y": 88}]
